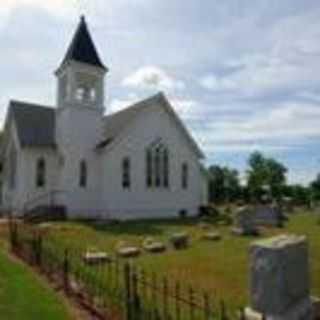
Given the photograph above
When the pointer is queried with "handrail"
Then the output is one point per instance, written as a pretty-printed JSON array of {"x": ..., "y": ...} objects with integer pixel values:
[{"x": 48, "y": 195}]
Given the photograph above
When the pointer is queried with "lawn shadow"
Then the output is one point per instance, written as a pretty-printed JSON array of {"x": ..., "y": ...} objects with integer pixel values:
[{"x": 142, "y": 227}]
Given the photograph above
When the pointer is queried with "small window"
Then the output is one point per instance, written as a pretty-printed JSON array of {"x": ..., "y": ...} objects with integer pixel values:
[
  {"x": 185, "y": 176},
  {"x": 41, "y": 173},
  {"x": 126, "y": 183},
  {"x": 83, "y": 174}
]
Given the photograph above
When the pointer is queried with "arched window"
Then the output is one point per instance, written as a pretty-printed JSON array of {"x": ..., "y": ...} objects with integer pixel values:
[
  {"x": 157, "y": 165},
  {"x": 126, "y": 183},
  {"x": 165, "y": 168},
  {"x": 185, "y": 176},
  {"x": 41, "y": 173},
  {"x": 12, "y": 168},
  {"x": 149, "y": 168},
  {"x": 83, "y": 174}
]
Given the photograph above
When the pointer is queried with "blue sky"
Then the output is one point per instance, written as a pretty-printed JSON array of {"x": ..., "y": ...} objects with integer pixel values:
[{"x": 243, "y": 75}]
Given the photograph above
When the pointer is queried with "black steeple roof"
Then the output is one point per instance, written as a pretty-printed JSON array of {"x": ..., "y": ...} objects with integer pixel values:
[{"x": 82, "y": 48}]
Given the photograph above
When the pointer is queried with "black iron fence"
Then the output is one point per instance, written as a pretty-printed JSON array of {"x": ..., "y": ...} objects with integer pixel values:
[{"x": 115, "y": 289}]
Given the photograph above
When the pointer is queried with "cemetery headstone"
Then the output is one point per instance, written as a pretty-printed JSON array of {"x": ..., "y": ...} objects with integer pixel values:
[
  {"x": 279, "y": 279},
  {"x": 244, "y": 222}
]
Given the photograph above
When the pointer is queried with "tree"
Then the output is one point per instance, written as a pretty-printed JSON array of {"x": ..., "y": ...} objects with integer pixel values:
[
  {"x": 265, "y": 173},
  {"x": 298, "y": 193},
  {"x": 224, "y": 184},
  {"x": 315, "y": 188}
]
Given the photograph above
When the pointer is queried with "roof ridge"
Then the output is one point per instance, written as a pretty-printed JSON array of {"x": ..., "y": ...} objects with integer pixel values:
[
  {"x": 29, "y": 104},
  {"x": 137, "y": 104}
]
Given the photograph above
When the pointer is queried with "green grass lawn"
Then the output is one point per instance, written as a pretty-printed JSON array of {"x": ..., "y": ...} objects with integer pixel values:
[
  {"x": 23, "y": 296},
  {"x": 219, "y": 267}
]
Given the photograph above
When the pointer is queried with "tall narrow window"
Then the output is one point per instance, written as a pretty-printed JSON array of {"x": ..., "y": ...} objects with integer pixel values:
[
  {"x": 157, "y": 168},
  {"x": 41, "y": 173},
  {"x": 165, "y": 168},
  {"x": 185, "y": 176},
  {"x": 149, "y": 168},
  {"x": 126, "y": 183},
  {"x": 83, "y": 174},
  {"x": 12, "y": 168}
]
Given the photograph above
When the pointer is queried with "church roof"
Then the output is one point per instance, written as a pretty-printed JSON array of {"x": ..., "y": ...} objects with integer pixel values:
[
  {"x": 116, "y": 123},
  {"x": 35, "y": 124},
  {"x": 82, "y": 48}
]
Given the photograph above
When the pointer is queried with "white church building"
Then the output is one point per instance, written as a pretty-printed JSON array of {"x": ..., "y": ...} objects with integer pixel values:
[{"x": 140, "y": 162}]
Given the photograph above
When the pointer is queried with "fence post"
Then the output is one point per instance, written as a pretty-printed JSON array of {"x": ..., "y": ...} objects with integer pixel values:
[
  {"x": 127, "y": 284},
  {"x": 136, "y": 311},
  {"x": 165, "y": 298},
  {"x": 177, "y": 298},
  {"x": 33, "y": 249},
  {"x": 13, "y": 233},
  {"x": 66, "y": 270},
  {"x": 191, "y": 302},
  {"x": 242, "y": 314},
  {"x": 206, "y": 306},
  {"x": 154, "y": 291},
  {"x": 223, "y": 311},
  {"x": 39, "y": 251}
]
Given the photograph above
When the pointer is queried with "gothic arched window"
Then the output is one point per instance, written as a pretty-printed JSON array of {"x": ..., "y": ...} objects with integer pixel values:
[
  {"x": 157, "y": 165},
  {"x": 126, "y": 181},
  {"x": 83, "y": 174},
  {"x": 185, "y": 176},
  {"x": 166, "y": 168},
  {"x": 149, "y": 168},
  {"x": 12, "y": 168},
  {"x": 41, "y": 173}
]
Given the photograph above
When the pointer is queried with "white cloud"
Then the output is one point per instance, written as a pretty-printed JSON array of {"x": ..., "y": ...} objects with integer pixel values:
[
  {"x": 283, "y": 127},
  {"x": 286, "y": 60},
  {"x": 247, "y": 148},
  {"x": 260, "y": 74},
  {"x": 215, "y": 83},
  {"x": 152, "y": 77},
  {"x": 119, "y": 104},
  {"x": 185, "y": 108},
  {"x": 56, "y": 6}
]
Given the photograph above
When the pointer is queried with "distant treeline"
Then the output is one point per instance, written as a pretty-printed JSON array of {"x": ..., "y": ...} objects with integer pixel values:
[{"x": 265, "y": 176}]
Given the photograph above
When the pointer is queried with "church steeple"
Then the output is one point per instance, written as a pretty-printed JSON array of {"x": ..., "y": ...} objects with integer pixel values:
[
  {"x": 82, "y": 48},
  {"x": 81, "y": 73}
]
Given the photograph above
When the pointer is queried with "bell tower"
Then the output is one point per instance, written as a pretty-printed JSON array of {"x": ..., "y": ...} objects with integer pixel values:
[
  {"x": 79, "y": 124},
  {"x": 80, "y": 77}
]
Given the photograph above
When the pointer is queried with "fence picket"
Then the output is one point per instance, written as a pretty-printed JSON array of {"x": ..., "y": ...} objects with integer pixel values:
[{"x": 177, "y": 300}]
